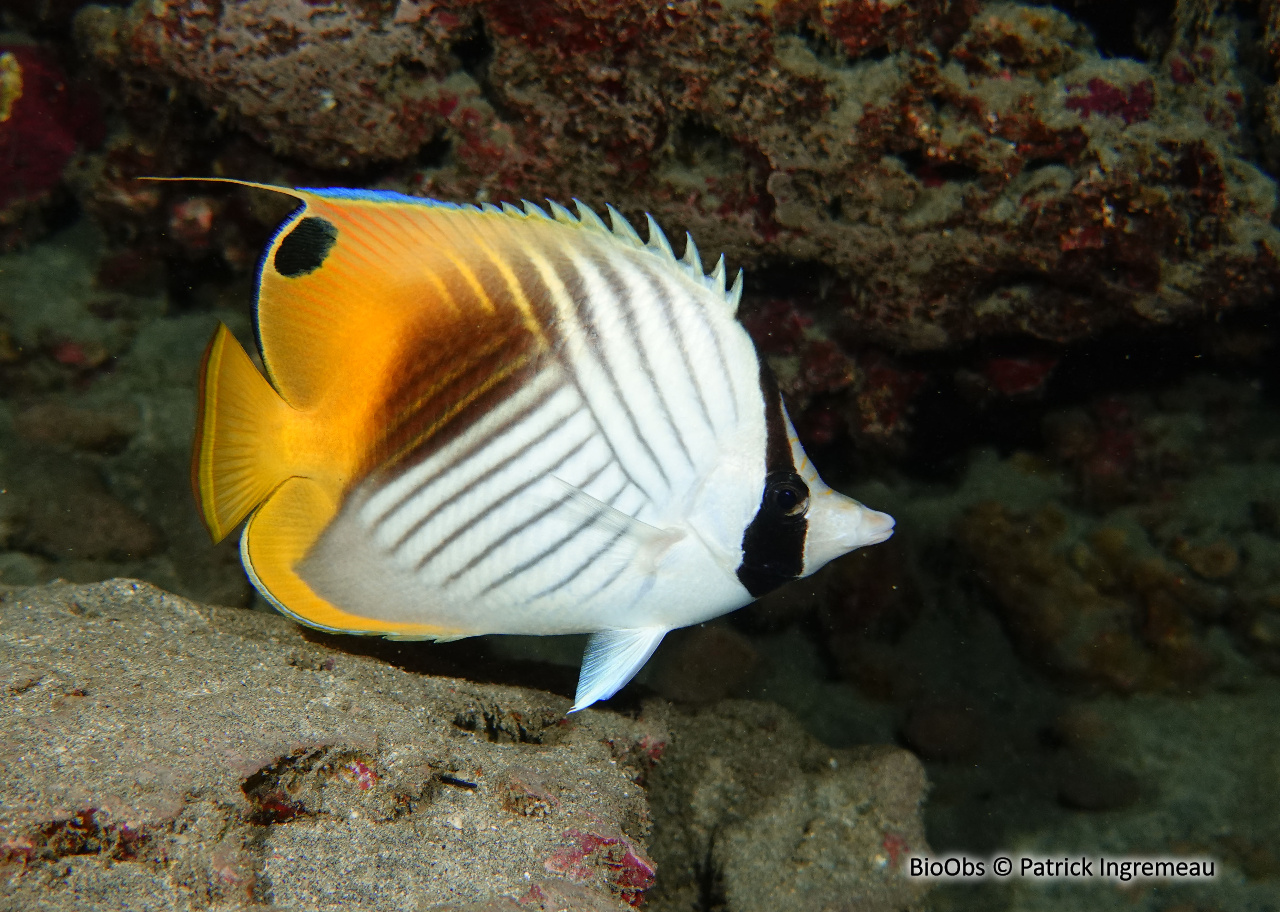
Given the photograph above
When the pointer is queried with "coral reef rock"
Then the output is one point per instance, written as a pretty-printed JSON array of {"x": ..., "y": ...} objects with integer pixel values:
[
  {"x": 157, "y": 753},
  {"x": 44, "y": 118},
  {"x": 958, "y": 169},
  {"x": 753, "y": 814}
]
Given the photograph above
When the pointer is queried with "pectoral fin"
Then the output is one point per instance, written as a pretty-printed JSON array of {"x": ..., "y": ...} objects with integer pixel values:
[{"x": 611, "y": 660}]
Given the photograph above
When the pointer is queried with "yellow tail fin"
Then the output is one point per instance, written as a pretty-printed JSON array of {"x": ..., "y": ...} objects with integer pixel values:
[{"x": 238, "y": 457}]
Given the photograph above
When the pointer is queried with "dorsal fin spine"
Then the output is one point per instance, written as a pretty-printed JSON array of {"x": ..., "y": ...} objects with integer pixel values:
[
  {"x": 717, "y": 276},
  {"x": 534, "y": 210},
  {"x": 657, "y": 240},
  {"x": 691, "y": 257},
  {"x": 735, "y": 293},
  {"x": 588, "y": 217},
  {"x": 622, "y": 228},
  {"x": 562, "y": 214}
]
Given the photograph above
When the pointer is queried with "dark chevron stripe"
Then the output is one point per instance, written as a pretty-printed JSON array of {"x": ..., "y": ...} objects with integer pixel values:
[
  {"x": 623, "y": 298},
  {"x": 423, "y": 386},
  {"x": 476, "y": 446},
  {"x": 610, "y": 580},
  {"x": 529, "y": 278},
  {"x": 582, "y": 567},
  {"x": 516, "y": 530},
  {"x": 478, "y": 365},
  {"x": 573, "y": 284},
  {"x": 552, "y": 548},
  {"x": 505, "y": 495},
  {"x": 663, "y": 296},
  {"x": 458, "y": 459}
]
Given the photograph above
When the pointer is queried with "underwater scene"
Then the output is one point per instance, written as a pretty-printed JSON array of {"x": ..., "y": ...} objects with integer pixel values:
[{"x": 850, "y": 484}]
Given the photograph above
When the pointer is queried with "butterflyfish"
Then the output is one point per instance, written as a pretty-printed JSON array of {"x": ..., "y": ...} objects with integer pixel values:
[{"x": 505, "y": 420}]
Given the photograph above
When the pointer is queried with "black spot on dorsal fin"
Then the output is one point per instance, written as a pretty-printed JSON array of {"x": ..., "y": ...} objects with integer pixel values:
[{"x": 304, "y": 249}]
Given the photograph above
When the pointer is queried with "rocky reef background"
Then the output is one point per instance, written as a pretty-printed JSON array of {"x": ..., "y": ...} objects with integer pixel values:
[{"x": 1015, "y": 266}]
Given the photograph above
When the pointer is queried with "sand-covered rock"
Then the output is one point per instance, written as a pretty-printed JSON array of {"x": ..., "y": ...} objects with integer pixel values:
[
  {"x": 755, "y": 815},
  {"x": 160, "y": 754}
]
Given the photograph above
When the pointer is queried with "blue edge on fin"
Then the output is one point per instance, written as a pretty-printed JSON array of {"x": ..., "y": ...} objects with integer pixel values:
[{"x": 383, "y": 196}]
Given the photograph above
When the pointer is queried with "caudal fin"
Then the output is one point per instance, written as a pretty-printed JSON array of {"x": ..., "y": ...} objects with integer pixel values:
[{"x": 237, "y": 458}]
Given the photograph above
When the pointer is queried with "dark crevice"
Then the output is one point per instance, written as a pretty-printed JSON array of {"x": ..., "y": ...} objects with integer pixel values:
[
  {"x": 435, "y": 154},
  {"x": 507, "y": 726},
  {"x": 290, "y": 787},
  {"x": 271, "y": 790},
  {"x": 949, "y": 417},
  {"x": 820, "y": 43},
  {"x": 876, "y": 54},
  {"x": 1129, "y": 28},
  {"x": 932, "y": 173},
  {"x": 698, "y": 145},
  {"x": 711, "y": 893},
  {"x": 1035, "y": 164},
  {"x": 947, "y": 425},
  {"x": 473, "y": 50},
  {"x": 415, "y": 68}
]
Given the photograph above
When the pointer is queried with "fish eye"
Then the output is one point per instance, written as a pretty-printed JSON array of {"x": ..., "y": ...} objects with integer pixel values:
[{"x": 787, "y": 495}]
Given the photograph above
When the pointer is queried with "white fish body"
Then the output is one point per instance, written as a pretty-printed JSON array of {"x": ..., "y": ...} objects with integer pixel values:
[{"x": 613, "y": 461}]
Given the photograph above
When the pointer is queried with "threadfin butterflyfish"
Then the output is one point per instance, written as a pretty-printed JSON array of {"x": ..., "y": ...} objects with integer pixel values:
[{"x": 481, "y": 420}]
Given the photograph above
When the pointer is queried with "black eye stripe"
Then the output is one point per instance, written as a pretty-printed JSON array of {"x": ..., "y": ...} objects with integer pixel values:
[{"x": 773, "y": 545}]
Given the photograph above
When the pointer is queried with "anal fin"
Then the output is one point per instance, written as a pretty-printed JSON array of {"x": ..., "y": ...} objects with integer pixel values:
[
  {"x": 274, "y": 545},
  {"x": 612, "y": 659}
]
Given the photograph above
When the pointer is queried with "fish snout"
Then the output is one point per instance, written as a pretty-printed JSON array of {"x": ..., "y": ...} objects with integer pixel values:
[
  {"x": 876, "y": 527},
  {"x": 838, "y": 525}
]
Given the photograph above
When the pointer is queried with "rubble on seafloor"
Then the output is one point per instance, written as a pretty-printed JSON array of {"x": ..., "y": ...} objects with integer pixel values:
[
  {"x": 1165, "y": 536},
  {"x": 160, "y": 751}
]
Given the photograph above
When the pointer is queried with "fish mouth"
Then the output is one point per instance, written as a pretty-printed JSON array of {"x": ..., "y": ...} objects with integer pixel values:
[{"x": 877, "y": 527}]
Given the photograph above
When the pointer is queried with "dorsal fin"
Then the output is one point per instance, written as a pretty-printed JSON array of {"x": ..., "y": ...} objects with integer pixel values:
[
  {"x": 586, "y": 219},
  {"x": 691, "y": 263}
]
